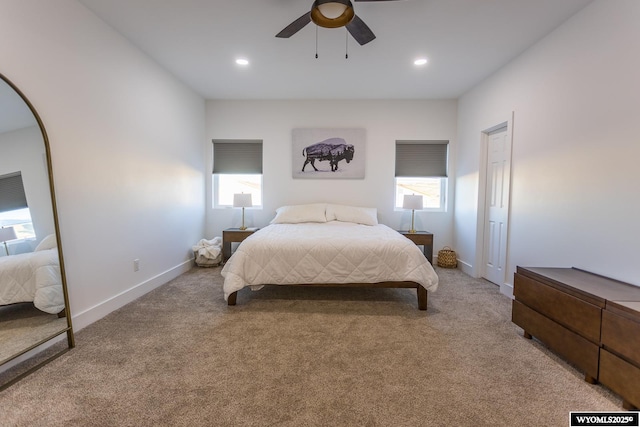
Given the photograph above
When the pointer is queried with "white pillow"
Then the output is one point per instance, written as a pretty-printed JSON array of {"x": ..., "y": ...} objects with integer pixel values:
[
  {"x": 48, "y": 242},
  {"x": 314, "y": 212},
  {"x": 366, "y": 216}
]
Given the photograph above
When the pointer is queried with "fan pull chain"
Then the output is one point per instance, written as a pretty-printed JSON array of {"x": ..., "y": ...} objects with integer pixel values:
[
  {"x": 316, "y": 42},
  {"x": 346, "y": 45}
]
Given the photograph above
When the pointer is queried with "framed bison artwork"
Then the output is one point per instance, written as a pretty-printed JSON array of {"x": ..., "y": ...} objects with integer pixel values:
[{"x": 328, "y": 153}]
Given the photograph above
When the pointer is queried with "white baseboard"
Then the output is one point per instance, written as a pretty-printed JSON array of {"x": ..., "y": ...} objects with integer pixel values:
[
  {"x": 466, "y": 268},
  {"x": 98, "y": 311},
  {"x": 507, "y": 289}
]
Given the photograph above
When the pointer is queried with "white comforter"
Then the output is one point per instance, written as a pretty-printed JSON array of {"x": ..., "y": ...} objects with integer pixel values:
[
  {"x": 332, "y": 252},
  {"x": 32, "y": 277}
]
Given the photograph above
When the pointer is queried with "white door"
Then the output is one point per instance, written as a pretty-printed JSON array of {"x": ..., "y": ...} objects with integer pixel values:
[{"x": 496, "y": 206}]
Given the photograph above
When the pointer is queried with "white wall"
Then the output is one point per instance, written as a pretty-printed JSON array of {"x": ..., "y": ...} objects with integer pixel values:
[
  {"x": 23, "y": 150},
  {"x": 126, "y": 142},
  {"x": 575, "y": 174},
  {"x": 384, "y": 123}
]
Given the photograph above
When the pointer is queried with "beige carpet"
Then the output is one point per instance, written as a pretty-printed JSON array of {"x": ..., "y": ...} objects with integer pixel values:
[{"x": 179, "y": 356}]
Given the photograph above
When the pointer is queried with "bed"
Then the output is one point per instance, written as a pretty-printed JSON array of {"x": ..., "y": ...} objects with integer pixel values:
[
  {"x": 33, "y": 277},
  {"x": 328, "y": 245}
]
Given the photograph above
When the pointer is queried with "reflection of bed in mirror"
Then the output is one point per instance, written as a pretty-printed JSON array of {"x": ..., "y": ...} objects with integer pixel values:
[{"x": 33, "y": 277}]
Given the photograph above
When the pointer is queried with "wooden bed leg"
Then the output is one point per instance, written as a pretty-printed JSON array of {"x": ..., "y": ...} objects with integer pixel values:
[
  {"x": 232, "y": 298},
  {"x": 422, "y": 298},
  {"x": 527, "y": 335}
]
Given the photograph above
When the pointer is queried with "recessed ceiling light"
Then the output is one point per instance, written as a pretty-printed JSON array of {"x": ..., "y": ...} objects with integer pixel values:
[
  {"x": 420, "y": 61},
  {"x": 242, "y": 61}
]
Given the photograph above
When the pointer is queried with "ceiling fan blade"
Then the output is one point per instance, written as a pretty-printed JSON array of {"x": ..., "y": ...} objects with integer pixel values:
[
  {"x": 360, "y": 31},
  {"x": 295, "y": 26}
]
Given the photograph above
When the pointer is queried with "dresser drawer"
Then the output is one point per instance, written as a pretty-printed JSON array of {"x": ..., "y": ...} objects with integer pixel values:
[
  {"x": 621, "y": 377},
  {"x": 621, "y": 335},
  {"x": 576, "y": 349},
  {"x": 571, "y": 312}
]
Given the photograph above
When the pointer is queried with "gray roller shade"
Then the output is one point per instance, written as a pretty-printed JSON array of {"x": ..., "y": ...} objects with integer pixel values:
[
  {"x": 421, "y": 158},
  {"x": 237, "y": 157},
  {"x": 12, "y": 195}
]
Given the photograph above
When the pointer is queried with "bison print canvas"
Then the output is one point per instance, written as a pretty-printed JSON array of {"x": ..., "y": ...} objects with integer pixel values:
[{"x": 328, "y": 153}]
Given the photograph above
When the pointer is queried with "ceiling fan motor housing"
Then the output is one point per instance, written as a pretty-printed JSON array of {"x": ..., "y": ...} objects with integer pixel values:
[{"x": 327, "y": 22}]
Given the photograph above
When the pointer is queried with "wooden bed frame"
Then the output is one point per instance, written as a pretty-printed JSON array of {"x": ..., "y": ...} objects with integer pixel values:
[{"x": 421, "y": 291}]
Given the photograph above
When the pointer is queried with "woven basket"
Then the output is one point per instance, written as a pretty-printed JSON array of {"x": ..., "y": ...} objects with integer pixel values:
[
  {"x": 447, "y": 258},
  {"x": 202, "y": 261}
]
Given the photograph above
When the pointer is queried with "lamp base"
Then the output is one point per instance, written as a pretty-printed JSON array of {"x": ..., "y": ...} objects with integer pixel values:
[
  {"x": 242, "y": 227},
  {"x": 412, "y": 230}
]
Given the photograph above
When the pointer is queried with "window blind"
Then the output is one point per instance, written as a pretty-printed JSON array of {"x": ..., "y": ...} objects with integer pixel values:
[
  {"x": 237, "y": 156},
  {"x": 421, "y": 158},
  {"x": 12, "y": 195}
]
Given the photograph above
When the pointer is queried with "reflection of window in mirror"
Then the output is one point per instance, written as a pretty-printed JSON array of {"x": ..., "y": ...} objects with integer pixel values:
[
  {"x": 20, "y": 220},
  {"x": 15, "y": 213}
]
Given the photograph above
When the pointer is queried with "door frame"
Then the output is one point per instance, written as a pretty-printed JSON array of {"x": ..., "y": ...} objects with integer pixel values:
[{"x": 500, "y": 122}]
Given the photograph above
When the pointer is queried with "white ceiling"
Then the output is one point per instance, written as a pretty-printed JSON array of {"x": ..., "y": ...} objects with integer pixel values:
[{"x": 465, "y": 41}]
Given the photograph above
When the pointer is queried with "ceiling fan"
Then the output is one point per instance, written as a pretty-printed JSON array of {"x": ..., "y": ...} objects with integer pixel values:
[{"x": 333, "y": 14}]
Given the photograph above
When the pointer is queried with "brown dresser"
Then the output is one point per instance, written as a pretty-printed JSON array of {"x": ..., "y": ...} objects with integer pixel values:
[
  {"x": 620, "y": 353},
  {"x": 571, "y": 310}
]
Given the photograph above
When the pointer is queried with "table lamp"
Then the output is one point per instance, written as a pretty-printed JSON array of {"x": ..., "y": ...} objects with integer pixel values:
[
  {"x": 242, "y": 200},
  {"x": 413, "y": 202}
]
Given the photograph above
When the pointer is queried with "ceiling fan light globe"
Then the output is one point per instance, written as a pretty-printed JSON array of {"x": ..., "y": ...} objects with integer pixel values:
[
  {"x": 332, "y": 10},
  {"x": 324, "y": 21}
]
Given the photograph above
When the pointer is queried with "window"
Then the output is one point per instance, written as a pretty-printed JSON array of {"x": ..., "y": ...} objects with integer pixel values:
[
  {"x": 20, "y": 220},
  {"x": 237, "y": 168},
  {"x": 14, "y": 211},
  {"x": 432, "y": 190},
  {"x": 226, "y": 185},
  {"x": 421, "y": 168}
]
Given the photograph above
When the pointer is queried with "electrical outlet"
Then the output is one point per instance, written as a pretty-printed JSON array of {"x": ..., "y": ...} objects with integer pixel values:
[{"x": 136, "y": 264}]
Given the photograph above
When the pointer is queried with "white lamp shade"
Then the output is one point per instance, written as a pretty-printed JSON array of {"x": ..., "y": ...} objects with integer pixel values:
[
  {"x": 7, "y": 234},
  {"x": 412, "y": 201},
  {"x": 242, "y": 200}
]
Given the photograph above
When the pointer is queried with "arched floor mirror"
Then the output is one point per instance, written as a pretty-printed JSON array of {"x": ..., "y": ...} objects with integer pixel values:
[{"x": 34, "y": 303}]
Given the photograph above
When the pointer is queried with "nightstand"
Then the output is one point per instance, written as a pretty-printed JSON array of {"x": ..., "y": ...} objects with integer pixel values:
[
  {"x": 233, "y": 235},
  {"x": 421, "y": 238}
]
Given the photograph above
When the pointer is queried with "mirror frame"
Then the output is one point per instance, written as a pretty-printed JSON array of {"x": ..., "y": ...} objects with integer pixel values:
[{"x": 67, "y": 311}]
